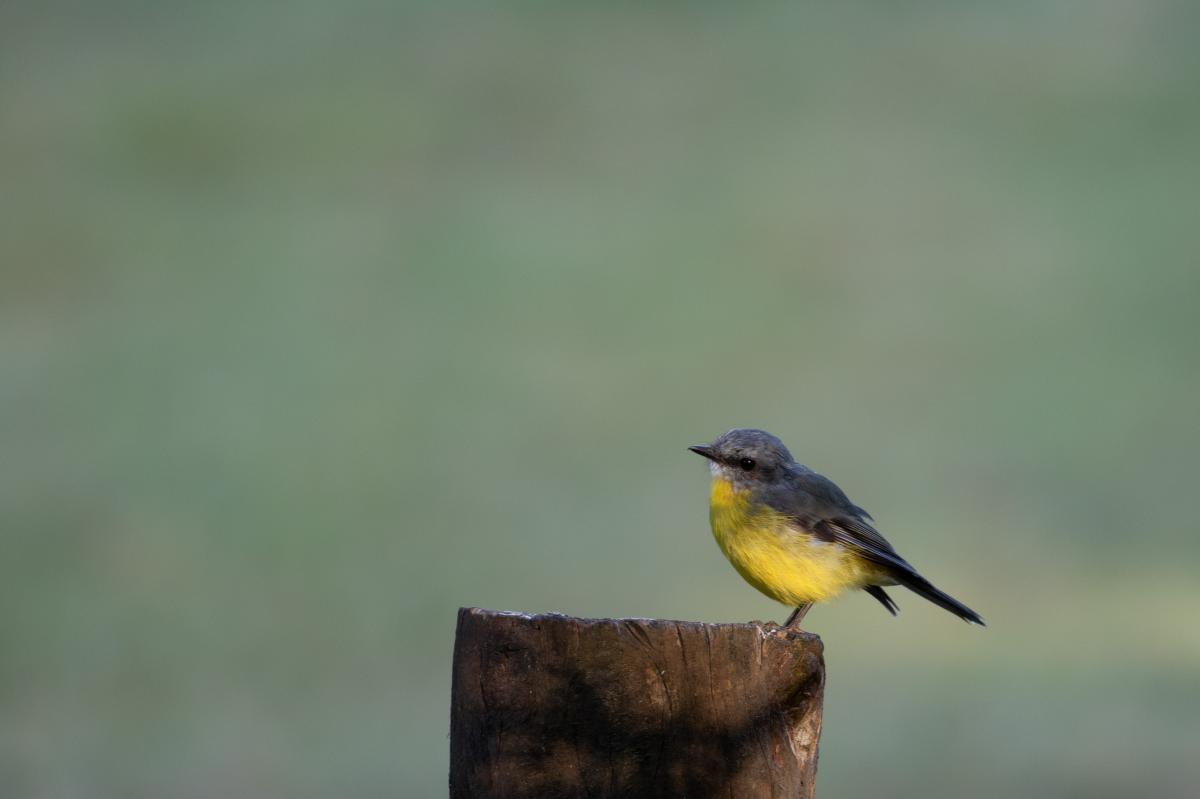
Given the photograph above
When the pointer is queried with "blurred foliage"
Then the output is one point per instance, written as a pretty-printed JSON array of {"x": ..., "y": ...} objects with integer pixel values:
[{"x": 322, "y": 320}]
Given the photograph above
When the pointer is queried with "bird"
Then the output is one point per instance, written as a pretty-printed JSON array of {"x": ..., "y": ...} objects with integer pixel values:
[{"x": 795, "y": 536}]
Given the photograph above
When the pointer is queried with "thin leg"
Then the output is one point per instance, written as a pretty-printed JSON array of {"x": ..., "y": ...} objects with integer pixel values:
[{"x": 797, "y": 616}]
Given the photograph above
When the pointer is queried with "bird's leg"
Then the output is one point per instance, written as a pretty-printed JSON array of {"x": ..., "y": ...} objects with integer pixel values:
[{"x": 797, "y": 616}]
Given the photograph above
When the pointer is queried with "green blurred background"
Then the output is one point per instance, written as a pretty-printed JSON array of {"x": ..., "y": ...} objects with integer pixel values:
[{"x": 321, "y": 320}]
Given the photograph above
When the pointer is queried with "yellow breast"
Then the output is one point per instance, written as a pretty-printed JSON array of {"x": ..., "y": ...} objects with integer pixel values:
[{"x": 775, "y": 556}]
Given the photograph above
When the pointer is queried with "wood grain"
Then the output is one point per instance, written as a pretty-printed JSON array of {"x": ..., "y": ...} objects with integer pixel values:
[{"x": 554, "y": 706}]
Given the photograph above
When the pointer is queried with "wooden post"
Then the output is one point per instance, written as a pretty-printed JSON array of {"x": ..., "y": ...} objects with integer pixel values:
[{"x": 552, "y": 706}]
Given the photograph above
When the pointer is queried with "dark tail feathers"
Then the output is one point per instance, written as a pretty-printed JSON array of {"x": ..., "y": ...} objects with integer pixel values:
[
  {"x": 883, "y": 598},
  {"x": 919, "y": 585}
]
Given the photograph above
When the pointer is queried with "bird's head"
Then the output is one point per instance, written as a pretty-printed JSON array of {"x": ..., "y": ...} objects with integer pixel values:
[{"x": 746, "y": 457}]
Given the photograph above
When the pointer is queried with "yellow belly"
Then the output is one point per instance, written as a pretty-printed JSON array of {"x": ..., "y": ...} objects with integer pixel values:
[{"x": 785, "y": 563}]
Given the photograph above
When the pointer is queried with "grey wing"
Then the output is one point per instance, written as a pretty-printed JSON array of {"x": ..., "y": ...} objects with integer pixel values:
[
  {"x": 819, "y": 505},
  {"x": 827, "y": 492},
  {"x": 864, "y": 539},
  {"x": 816, "y": 504}
]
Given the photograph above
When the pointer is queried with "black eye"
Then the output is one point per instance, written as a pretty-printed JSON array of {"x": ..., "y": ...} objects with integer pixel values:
[{"x": 747, "y": 464}]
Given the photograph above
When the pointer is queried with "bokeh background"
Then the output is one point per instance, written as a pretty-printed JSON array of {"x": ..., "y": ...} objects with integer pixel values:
[{"x": 322, "y": 320}]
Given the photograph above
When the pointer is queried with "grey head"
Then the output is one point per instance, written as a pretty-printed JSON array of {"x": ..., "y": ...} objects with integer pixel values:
[{"x": 746, "y": 457}]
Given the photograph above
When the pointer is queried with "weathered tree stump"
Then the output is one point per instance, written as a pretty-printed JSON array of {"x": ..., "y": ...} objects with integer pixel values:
[{"x": 553, "y": 706}]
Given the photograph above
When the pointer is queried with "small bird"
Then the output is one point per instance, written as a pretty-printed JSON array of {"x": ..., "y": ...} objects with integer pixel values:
[{"x": 795, "y": 536}]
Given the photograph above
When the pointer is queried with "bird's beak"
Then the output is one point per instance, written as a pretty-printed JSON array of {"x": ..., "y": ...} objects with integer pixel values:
[{"x": 704, "y": 450}]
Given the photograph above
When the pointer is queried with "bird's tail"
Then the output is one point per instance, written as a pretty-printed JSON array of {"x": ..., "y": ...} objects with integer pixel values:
[
  {"x": 919, "y": 585},
  {"x": 883, "y": 598}
]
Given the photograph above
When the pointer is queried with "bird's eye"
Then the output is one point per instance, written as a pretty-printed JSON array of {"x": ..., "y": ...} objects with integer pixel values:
[{"x": 747, "y": 464}]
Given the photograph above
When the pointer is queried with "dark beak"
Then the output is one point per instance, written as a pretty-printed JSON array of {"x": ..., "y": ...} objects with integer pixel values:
[{"x": 704, "y": 450}]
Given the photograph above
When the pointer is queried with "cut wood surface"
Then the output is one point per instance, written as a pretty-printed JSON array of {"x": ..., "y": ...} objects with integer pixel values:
[{"x": 554, "y": 706}]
